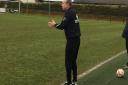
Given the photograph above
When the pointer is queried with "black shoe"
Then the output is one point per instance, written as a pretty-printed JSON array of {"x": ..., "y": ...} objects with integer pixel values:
[
  {"x": 125, "y": 66},
  {"x": 67, "y": 83},
  {"x": 74, "y": 83}
]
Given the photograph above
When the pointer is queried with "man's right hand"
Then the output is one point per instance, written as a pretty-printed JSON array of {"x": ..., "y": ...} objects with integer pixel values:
[{"x": 51, "y": 23}]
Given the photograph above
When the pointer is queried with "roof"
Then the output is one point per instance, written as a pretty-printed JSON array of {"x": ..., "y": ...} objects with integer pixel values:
[
  {"x": 4, "y": 0},
  {"x": 104, "y": 1},
  {"x": 55, "y": 0}
]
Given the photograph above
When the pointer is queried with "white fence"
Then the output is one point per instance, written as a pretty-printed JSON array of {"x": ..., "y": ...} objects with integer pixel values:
[{"x": 2, "y": 9}]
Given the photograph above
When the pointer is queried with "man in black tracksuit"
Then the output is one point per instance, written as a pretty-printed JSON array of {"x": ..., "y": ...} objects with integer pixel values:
[
  {"x": 125, "y": 35},
  {"x": 70, "y": 25}
]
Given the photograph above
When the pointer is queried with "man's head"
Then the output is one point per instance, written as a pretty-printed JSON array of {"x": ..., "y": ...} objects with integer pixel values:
[{"x": 66, "y": 4}]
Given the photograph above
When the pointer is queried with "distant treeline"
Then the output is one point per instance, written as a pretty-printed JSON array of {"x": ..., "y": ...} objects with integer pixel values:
[{"x": 110, "y": 10}]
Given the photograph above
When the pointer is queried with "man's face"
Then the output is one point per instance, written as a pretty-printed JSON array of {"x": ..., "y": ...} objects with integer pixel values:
[{"x": 64, "y": 5}]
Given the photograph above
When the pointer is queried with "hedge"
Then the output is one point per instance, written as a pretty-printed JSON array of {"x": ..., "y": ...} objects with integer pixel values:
[{"x": 81, "y": 8}]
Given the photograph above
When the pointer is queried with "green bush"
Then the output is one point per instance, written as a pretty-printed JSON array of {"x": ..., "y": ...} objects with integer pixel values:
[
  {"x": 93, "y": 9},
  {"x": 2, "y": 4}
]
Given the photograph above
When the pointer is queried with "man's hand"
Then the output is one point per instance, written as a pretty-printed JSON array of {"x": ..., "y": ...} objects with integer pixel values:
[{"x": 51, "y": 23}]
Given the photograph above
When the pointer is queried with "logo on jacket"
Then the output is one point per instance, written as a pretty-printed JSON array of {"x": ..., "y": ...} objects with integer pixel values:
[{"x": 77, "y": 19}]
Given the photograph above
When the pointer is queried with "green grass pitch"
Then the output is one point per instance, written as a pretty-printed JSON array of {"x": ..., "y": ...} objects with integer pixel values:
[
  {"x": 106, "y": 75},
  {"x": 33, "y": 54}
]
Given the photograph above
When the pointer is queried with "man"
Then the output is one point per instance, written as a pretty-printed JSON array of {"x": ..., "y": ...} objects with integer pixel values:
[
  {"x": 125, "y": 35},
  {"x": 70, "y": 25}
]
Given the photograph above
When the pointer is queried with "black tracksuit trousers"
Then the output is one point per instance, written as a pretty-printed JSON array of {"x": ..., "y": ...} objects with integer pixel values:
[
  {"x": 126, "y": 44},
  {"x": 71, "y": 53}
]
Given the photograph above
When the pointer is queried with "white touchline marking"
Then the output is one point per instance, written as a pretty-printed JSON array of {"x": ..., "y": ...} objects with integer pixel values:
[{"x": 99, "y": 65}]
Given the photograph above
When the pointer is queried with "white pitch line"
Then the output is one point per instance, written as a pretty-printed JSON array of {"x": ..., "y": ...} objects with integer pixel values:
[{"x": 99, "y": 65}]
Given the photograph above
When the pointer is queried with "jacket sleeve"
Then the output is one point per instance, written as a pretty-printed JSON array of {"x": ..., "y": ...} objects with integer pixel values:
[
  {"x": 64, "y": 22},
  {"x": 125, "y": 31}
]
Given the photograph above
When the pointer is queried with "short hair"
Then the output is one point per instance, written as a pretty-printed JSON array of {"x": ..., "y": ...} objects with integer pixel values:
[{"x": 69, "y": 2}]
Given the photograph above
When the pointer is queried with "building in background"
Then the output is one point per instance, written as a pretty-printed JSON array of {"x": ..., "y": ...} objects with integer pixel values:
[
  {"x": 28, "y": 1},
  {"x": 103, "y": 1},
  {"x": 56, "y": 0},
  {"x": 3, "y": 6}
]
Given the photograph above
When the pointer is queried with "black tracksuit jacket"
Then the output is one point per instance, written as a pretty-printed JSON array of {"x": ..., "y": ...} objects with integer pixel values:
[{"x": 70, "y": 24}]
